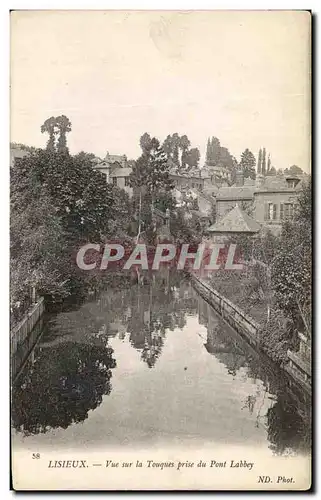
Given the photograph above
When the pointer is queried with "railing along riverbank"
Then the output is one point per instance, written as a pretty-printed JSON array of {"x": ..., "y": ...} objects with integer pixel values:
[
  {"x": 248, "y": 328},
  {"x": 24, "y": 335}
]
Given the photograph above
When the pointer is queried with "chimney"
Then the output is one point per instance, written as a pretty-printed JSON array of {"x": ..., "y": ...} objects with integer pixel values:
[{"x": 239, "y": 178}]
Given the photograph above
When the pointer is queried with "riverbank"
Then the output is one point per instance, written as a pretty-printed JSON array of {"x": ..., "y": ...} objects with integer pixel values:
[{"x": 250, "y": 329}]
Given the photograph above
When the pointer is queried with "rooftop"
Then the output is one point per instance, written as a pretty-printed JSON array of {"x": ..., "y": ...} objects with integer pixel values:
[
  {"x": 279, "y": 183},
  {"x": 235, "y": 221},
  {"x": 235, "y": 193}
]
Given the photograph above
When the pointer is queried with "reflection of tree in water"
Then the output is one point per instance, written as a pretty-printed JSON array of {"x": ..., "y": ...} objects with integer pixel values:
[
  {"x": 63, "y": 384},
  {"x": 287, "y": 431},
  {"x": 155, "y": 308}
]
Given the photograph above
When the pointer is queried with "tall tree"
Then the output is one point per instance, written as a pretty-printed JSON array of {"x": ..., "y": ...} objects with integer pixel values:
[
  {"x": 259, "y": 162},
  {"x": 64, "y": 126},
  {"x": 268, "y": 165},
  {"x": 57, "y": 126},
  {"x": 151, "y": 182},
  {"x": 168, "y": 146},
  {"x": 145, "y": 142},
  {"x": 216, "y": 151},
  {"x": 264, "y": 162},
  {"x": 208, "y": 152},
  {"x": 175, "y": 143},
  {"x": 247, "y": 164},
  {"x": 50, "y": 127},
  {"x": 184, "y": 144}
]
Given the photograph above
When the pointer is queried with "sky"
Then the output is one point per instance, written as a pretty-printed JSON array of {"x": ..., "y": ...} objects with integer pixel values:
[{"x": 242, "y": 76}]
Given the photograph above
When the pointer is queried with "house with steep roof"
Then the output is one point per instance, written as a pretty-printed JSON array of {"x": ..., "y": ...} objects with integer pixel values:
[
  {"x": 116, "y": 170},
  {"x": 235, "y": 222}
]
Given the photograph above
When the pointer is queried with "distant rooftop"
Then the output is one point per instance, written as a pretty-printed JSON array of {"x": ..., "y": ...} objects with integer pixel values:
[
  {"x": 235, "y": 221},
  {"x": 279, "y": 183},
  {"x": 235, "y": 193}
]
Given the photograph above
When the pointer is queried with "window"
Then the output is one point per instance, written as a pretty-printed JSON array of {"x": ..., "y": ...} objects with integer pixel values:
[
  {"x": 114, "y": 181},
  {"x": 126, "y": 181},
  {"x": 286, "y": 210},
  {"x": 270, "y": 211}
]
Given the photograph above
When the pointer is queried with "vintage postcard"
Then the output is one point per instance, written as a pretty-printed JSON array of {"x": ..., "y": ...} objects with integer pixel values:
[{"x": 160, "y": 250}]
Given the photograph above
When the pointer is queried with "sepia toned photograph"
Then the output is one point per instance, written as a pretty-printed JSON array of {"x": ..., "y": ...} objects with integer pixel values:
[{"x": 160, "y": 250}]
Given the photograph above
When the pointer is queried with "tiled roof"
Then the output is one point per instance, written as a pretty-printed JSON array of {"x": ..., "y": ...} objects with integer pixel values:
[
  {"x": 235, "y": 193},
  {"x": 200, "y": 194},
  {"x": 235, "y": 221},
  {"x": 273, "y": 183}
]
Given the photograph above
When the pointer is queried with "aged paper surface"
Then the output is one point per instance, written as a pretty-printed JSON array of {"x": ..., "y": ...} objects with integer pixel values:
[{"x": 139, "y": 371}]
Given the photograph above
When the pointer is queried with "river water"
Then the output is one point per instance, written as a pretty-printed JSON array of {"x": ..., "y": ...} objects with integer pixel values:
[{"x": 150, "y": 365}]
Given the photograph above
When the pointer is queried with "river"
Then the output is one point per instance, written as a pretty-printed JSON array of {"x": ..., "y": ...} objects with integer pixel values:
[{"x": 150, "y": 365}]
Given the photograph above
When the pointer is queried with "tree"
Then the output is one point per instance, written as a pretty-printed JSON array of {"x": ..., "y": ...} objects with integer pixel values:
[
  {"x": 271, "y": 171},
  {"x": 64, "y": 126},
  {"x": 247, "y": 164},
  {"x": 57, "y": 126},
  {"x": 268, "y": 165},
  {"x": 292, "y": 268},
  {"x": 193, "y": 157},
  {"x": 184, "y": 144},
  {"x": 66, "y": 382},
  {"x": 57, "y": 204},
  {"x": 264, "y": 162},
  {"x": 213, "y": 151},
  {"x": 294, "y": 170},
  {"x": 145, "y": 143},
  {"x": 50, "y": 127},
  {"x": 225, "y": 159},
  {"x": 151, "y": 183},
  {"x": 208, "y": 156},
  {"x": 259, "y": 162}
]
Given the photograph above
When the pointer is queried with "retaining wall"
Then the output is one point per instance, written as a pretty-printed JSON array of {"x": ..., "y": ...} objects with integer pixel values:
[{"x": 249, "y": 329}]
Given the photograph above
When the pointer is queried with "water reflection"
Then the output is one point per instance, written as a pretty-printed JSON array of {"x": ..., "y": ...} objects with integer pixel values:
[
  {"x": 169, "y": 325},
  {"x": 63, "y": 381},
  {"x": 287, "y": 419}
]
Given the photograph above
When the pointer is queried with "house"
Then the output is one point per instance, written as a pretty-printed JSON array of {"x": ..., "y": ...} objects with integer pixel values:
[
  {"x": 275, "y": 199},
  {"x": 228, "y": 197},
  {"x": 194, "y": 178},
  {"x": 218, "y": 174},
  {"x": 205, "y": 202},
  {"x": 116, "y": 170},
  {"x": 234, "y": 222},
  {"x": 198, "y": 202},
  {"x": 269, "y": 199},
  {"x": 16, "y": 153}
]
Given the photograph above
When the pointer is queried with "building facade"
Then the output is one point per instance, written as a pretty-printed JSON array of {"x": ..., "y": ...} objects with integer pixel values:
[
  {"x": 116, "y": 170},
  {"x": 275, "y": 199}
]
